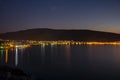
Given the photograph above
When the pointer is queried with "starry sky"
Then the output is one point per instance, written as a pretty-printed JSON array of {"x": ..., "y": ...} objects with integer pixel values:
[{"x": 101, "y": 15}]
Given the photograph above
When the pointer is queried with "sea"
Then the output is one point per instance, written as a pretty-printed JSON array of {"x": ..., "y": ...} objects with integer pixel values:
[{"x": 66, "y": 62}]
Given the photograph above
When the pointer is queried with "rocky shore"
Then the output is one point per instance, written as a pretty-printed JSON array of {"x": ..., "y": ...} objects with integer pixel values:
[{"x": 9, "y": 73}]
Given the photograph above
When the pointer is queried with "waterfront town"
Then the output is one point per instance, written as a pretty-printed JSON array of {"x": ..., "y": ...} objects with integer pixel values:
[{"x": 28, "y": 43}]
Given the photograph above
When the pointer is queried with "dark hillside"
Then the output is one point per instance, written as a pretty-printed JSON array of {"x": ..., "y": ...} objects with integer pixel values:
[{"x": 51, "y": 34}]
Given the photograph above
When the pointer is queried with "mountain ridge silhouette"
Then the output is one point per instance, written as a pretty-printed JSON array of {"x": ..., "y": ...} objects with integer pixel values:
[{"x": 61, "y": 34}]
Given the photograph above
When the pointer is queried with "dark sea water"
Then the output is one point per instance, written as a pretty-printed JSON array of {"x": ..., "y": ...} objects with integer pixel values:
[{"x": 66, "y": 62}]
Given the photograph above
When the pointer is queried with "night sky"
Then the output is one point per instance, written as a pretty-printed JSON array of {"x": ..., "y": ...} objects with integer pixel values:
[{"x": 101, "y": 15}]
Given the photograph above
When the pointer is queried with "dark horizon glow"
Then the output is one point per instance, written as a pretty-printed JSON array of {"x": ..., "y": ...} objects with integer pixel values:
[{"x": 100, "y": 15}]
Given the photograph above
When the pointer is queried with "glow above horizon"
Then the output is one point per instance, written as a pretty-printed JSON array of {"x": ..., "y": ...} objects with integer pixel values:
[{"x": 101, "y": 15}]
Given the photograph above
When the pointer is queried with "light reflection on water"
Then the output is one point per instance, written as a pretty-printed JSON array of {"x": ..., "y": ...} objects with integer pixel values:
[
  {"x": 16, "y": 56},
  {"x": 1, "y": 55},
  {"x": 65, "y": 60},
  {"x": 6, "y": 57},
  {"x": 42, "y": 53}
]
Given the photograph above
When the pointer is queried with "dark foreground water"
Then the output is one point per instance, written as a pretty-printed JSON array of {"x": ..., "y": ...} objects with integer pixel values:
[{"x": 66, "y": 62}]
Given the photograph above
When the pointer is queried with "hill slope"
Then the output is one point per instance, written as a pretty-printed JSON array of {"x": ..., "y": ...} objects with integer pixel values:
[{"x": 51, "y": 34}]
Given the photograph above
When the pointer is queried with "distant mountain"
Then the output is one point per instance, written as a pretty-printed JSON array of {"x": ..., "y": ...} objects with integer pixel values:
[{"x": 60, "y": 34}]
